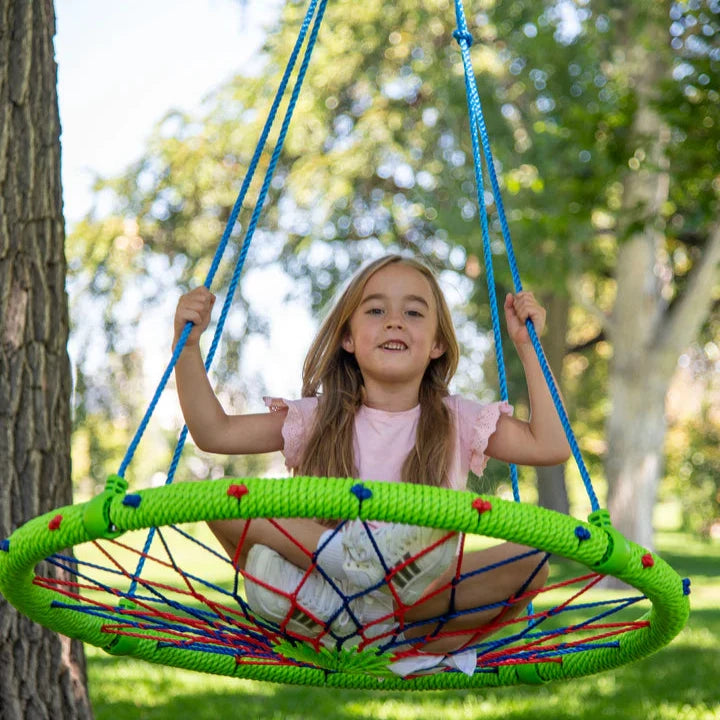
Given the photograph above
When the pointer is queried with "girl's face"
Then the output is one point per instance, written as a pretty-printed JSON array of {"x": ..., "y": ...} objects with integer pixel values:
[{"x": 393, "y": 331}]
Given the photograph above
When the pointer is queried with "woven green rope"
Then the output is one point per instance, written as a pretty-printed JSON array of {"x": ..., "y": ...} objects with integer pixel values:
[{"x": 330, "y": 498}]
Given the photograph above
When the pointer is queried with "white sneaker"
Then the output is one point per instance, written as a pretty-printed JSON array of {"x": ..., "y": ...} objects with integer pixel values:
[
  {"x": 317, "y": 601},
  {"x": 397, "y": 543}
]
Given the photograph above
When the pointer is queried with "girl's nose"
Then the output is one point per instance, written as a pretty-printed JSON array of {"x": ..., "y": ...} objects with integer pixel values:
[{"x": 393, "y": 320}]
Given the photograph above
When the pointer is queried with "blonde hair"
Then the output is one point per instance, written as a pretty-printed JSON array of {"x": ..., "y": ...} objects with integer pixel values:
[{"x": 332, "y": 374}]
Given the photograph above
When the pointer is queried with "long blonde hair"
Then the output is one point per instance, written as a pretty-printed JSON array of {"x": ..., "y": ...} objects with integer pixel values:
[{"x": 332, "y": 374}]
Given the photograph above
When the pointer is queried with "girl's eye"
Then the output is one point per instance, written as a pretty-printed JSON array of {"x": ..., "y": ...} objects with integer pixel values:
[
  {"x": 374, "y": 311},
  {"x": 415, "y": 313}
]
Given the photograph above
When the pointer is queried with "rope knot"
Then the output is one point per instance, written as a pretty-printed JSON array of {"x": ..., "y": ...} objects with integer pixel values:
[
  {"x": 461, "y": 35},
  {"x": 5, "y": 545},
  {"x": 54, "y": 524},
  {"x": 686, "y": 586},
  {"x": 361, "y": 492},
  {"x": 132, "y": 501}
]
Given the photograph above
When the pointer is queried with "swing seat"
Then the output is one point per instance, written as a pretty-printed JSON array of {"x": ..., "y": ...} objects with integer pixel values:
[{"x": 174, "y": 617}]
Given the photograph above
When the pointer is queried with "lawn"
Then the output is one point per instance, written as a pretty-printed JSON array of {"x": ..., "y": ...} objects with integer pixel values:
[{"x": 679, "y": 683}]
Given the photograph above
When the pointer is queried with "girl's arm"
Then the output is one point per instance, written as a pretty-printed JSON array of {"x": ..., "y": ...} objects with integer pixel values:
[
  {"x": 541, "y": 440},
  {"x": 212, "y": 429}
]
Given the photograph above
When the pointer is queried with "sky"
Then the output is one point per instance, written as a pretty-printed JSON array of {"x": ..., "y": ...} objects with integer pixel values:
[{"x": 121, "y": 67}]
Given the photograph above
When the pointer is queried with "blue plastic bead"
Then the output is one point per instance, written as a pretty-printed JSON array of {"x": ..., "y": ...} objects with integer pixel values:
[
  {"x": 132, "y": 500},
  {"x": 582, "y": 533},
  {"x": 361, "y": 492}
]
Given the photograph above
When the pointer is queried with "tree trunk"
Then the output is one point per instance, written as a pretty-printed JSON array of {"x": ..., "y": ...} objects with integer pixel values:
[
  {"x": 647, "y": 335},
  {"x": 552, "y": 492},
  {"x": 42, "y": 674},
  {"x": 636, "y": 426}
]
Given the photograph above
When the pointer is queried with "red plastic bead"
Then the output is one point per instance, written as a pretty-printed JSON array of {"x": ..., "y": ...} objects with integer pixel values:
[
  {"x": 54, "y": 524},
  {"x": 237, "y": 491},
  {"x": 481, "y": 505}
]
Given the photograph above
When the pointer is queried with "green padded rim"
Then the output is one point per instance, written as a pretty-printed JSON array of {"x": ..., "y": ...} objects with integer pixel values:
[{"x": 333, "y": 498}]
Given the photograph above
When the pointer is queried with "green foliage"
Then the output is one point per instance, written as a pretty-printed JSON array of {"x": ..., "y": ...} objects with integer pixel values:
[{"x": 693, "y": 474}]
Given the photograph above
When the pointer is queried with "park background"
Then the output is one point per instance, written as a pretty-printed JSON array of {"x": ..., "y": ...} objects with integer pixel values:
[{"x": 160, "y": 105}]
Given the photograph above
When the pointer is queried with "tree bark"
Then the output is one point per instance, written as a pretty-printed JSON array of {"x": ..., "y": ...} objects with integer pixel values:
[
  {"x": 636, "y": 425},
  {"x": 42, "y": 674}
]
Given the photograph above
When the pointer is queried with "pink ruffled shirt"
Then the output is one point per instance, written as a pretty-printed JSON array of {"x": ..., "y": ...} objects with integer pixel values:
[{"x": 384, "y": 439}]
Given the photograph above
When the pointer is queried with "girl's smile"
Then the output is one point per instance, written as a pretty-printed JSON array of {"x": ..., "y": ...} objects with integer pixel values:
[{"x": 394, "y": 345}]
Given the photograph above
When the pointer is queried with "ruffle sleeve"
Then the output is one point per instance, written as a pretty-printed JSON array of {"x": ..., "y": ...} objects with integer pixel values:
[
  {"x": 476, "y": 422},
  {"x": 297, "y": 425},
  {"x": 483, "y": 427}
]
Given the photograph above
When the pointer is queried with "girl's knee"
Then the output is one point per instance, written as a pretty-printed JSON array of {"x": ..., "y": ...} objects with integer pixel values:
[{"x": 534, "y": 564}]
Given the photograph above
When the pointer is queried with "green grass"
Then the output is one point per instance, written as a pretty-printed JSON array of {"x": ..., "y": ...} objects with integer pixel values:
[{"x": 679, "y": 683}]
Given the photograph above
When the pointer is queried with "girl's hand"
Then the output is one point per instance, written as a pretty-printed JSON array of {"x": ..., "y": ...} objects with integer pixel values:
[
  {"x": 518, "y": 308},
  {"x": 194, "y": 307}
]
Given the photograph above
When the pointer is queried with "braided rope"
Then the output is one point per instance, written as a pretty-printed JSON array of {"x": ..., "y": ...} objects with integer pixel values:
[
  {"x": 227, "y": 233},
  {"x": 480, "y": 137}
]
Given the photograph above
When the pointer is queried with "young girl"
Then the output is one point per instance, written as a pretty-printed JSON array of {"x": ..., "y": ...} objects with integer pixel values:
[{"x": 375, "y": 406}]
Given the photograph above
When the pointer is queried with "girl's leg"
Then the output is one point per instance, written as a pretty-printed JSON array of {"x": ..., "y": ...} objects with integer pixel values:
[
  {"x": 479, "y": 590},
  {"x": 296, "y": 544}
]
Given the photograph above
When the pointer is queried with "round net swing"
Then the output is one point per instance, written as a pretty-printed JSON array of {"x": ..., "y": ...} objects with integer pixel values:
[{"x": 143, "y": 583}]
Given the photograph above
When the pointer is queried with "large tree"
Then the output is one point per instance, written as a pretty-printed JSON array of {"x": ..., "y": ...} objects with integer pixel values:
[
  {"x": 43, "y": 674},
  {"x": 658, "y": 311}
]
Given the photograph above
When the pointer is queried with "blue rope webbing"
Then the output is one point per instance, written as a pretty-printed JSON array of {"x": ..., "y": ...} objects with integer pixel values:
[{"x": 480, "y": 139}]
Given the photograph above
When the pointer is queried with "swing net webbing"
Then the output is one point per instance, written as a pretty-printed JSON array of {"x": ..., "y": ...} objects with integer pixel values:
[{"x": 185, "y": 604}]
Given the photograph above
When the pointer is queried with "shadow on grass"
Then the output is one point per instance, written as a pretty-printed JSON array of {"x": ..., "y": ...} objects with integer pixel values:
[
  {"x": 678, "y": 677},
  {"x": 692, "y": 566}
]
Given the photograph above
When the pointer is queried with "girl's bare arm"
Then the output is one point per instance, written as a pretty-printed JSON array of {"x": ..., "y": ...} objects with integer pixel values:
[
  {"x": 541, "y": 440},
  {"x": 211, "y": 428}
]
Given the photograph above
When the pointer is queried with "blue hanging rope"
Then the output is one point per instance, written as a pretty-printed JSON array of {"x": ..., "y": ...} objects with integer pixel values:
[
  {"x": 465, "y": 40},
  {"x": 480, "y": 138},
  {"x": 230, "y": 225},
  {"x": 226, "y": 236}
]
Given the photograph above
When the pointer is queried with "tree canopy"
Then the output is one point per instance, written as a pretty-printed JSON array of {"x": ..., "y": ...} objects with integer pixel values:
[{"x": 586, "y": 105}]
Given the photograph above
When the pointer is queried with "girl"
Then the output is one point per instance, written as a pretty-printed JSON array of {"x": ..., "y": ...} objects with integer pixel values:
[{"x": 375, "y": 405}]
